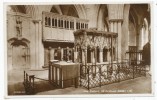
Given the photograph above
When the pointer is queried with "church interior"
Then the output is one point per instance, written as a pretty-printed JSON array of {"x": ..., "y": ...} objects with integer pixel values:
[{"x": 78, "y": 48}]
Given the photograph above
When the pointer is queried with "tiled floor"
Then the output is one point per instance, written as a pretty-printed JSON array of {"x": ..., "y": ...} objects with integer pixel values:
[{"x": 139, "y": 85}]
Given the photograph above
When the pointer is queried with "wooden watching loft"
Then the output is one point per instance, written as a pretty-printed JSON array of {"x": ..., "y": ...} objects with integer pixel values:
[
  {"x": 57, "y": 36},
  {"x": 61, "y": 27}
]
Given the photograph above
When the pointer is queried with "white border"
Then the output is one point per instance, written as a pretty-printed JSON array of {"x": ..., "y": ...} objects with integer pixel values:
[{"x": 153, "y": 48}]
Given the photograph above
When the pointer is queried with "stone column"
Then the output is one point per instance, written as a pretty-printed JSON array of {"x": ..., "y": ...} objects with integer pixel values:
[
  {"x": 119, "y": 30},
  {"x": 51, "y": 54},
  {"x": 75, "y": 56},
  {"x": 92, "y": 57},
  {"x": 115, "y": 26},
  {"x": 63, "y": 24},
  {"x": 108, "y": 56},
  {"x": 62, "y": 52},
  {"x": 100, "y": 55},
  {"x": 41, "y": 46},
  {"x": 111, "y": 26},
  {"x": 36, "y": 22},
  {"x": 83, "y": 57},
  {"x": 95, "y": 55},
  {"x": 75, "y": 25},
  {"x": 67, "y": 54},
  {"x": 115, "y": 29},
  {"x": 142, "y": 38},
  {"x": 115, "y": 12},
  {"x": 45, "y": 57},
  {"x": 39, "y": 49},
  {"x": 85, "y": 51}
]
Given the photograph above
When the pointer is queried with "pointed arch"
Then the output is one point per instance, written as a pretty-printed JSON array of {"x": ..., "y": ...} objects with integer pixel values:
[
  {"x": 56, "y": 9},
  {"x": 78, "y": 9},
  {"x": 23, "y": 41},
  {"x": 102, "y": 15},
  {"x": 17, "y": 8}
]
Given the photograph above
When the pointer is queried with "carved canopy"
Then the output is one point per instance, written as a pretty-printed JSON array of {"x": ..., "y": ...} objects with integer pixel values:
[{"x": 92, "y": 38}]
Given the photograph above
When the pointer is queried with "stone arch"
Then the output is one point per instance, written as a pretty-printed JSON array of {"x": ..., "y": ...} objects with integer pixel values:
[
  {"x": 24, "y": 9},
  {"x": 102, "y": 18},
  {"x": 139, "y": 16},
  {"x": 17, "y": 8},
  {"x": 25, "y": 41},
  {"x": 57, "y": 8},
  {"x": 80, "y": 10},
  {"x": 147, "y": 34},
  {"x": 18, "y": 53},
  {"x": 32, "y": 10}
]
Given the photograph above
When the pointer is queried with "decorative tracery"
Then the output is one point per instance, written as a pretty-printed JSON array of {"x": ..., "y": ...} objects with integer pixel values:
[{"x": 95, "y": 39}]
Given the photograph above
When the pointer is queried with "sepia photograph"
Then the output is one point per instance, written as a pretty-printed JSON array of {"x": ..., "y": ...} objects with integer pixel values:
[{"x": 78, "y": 49}]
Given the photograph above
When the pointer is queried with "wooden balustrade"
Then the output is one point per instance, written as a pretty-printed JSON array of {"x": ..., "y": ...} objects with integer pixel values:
[{"x": 54, "y": 20}]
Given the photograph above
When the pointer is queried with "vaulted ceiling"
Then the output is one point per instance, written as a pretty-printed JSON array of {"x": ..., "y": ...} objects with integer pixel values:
[
  {"x": 138, "y": 12},
  {"x": 68, "y": 10},
  {"x": 136, "y": 15}
]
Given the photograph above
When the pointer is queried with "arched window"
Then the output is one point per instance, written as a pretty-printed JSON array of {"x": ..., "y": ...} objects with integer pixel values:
[
  {"x": 62, "y": 23},
  {"x": 97, "y": 54},
  {"x": 76, "y": 25},
  {"x": 105, "y": 54},
  {"x": 45, "y": 21},
  {"x": 89, "y": 55},
  {"x": 53, "y": 22}
]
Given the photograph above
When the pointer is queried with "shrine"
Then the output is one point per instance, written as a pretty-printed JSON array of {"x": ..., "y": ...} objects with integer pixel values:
[
  {"x": 94, "y": 72},
  {"x": 77, "y": 46}
]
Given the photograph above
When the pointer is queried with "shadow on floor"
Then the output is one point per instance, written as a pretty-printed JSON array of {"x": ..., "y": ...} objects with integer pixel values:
[
  {"x": 19, "y": 89},
  {"x": 16, "y": 89},
  {"x": 42, "y": 86}
]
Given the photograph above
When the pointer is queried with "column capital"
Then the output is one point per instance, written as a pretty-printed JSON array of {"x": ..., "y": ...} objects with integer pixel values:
[
  {"x": 36, "y": 21},
  {"x": 100, "y": 49},
  {"x": 115, "y": 20}
]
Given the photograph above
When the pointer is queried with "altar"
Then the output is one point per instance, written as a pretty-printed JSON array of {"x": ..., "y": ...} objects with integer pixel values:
[{"x": 64, "y": 74}]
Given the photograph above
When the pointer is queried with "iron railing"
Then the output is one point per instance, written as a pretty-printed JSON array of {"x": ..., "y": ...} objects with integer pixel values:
[
  {"x": 102, "y": 74},
  {"x": 94, "y": 75},
  {"x": 29, "y": 83}
]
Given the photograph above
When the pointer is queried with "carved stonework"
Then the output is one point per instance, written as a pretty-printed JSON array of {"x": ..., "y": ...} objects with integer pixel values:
[{"x": 19, "y": 27}]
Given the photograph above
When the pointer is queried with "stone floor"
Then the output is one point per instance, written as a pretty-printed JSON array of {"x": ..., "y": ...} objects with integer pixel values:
[{"x": 141, "y": 85}]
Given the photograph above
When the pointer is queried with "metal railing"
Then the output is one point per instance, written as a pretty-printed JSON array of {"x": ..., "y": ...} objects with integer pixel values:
[
  {"x": 102, "y": 74},
  {"x": 93, "y": 75},
  {"x": 29, "y": 83}
]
